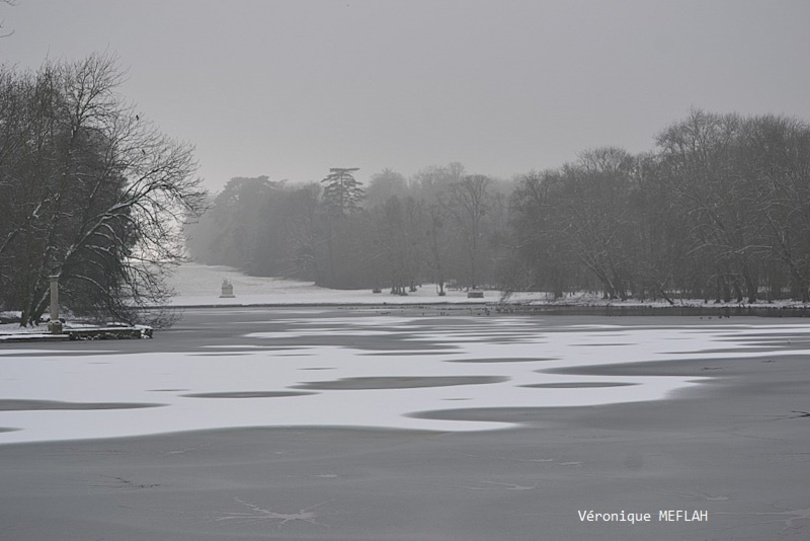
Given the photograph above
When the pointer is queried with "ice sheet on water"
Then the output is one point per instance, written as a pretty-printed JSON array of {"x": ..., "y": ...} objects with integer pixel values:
[{"x": 257, "y": 386}]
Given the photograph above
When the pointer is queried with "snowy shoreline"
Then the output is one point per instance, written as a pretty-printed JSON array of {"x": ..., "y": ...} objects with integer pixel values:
[{"x": 199, "y": 287}]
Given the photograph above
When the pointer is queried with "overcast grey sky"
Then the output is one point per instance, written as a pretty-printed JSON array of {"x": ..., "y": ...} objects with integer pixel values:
[{"x": 290, "y": 88}]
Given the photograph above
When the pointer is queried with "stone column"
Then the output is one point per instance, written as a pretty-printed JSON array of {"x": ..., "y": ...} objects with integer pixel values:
[{"x": 55, "y": 326}]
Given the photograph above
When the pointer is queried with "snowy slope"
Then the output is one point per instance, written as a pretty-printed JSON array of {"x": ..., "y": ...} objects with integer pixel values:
[{"x": 197, "y": 284}]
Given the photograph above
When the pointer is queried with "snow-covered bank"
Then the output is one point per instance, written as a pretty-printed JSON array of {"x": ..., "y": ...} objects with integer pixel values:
[{"x": 201, "y": 285}]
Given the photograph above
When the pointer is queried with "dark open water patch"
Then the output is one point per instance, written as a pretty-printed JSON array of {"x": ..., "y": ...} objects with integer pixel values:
[
  {"x": 499, "y": 415},
  {"x": 578, "y": 385},
  {"x": 721, "y": 351},
  {"x": 247, "y": 394},
  {"x": 8, "y": 429},
  {"x": 432, "y": 322},
  {"x": 29, "y": 405},
  {"x": 352, "y": 384},
  {"x": 55, "y": 354},
  {"x": 253, "y": 347},
  {"x": 416, "y": 352},
  {"x": 503, "y": 360},
  {"x": 240, "y": 353},
  {"x": 605, "y": 344}
]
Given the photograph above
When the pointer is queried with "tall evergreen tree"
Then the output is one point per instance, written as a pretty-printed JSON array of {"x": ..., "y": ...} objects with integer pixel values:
[{"x": 342, "y": 193}]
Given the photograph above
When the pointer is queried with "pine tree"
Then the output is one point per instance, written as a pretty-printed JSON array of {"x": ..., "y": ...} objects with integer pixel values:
[{"x": 342, "y": 193}]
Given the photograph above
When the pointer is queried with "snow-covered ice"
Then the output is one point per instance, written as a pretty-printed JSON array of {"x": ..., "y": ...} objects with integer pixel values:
[
  {"x": 483, "y": 363},
  {"x": 498, "y": 362}
]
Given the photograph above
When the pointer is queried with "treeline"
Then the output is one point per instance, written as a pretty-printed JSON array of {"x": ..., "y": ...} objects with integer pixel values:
[
  {"x": 89, "y": 191},
  {"x": 719, "y": 210},
  {"x": 441, "y": 226}
]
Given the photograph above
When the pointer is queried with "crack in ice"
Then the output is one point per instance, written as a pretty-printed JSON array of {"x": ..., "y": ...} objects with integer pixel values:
[{"x": 259, "y": 514}]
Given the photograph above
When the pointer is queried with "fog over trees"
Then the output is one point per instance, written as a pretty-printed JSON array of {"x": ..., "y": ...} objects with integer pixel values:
[
  {"x": 395, "y": 234},
  {"x": 719, "y": 210}
]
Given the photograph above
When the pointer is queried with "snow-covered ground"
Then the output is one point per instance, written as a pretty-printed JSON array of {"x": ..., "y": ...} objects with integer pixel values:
[{"x": 198, "y": 285}]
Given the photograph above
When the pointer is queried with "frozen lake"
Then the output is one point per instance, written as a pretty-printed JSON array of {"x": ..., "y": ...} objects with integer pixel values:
[{"x": 222, "y": 368}]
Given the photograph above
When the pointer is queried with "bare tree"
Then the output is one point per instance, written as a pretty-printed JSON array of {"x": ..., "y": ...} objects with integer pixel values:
[
  {"x": 469, "y": 202},
  {"x": 400, "y": 240},
  {"x": 707, "y": 171},
  {"x": 776, "y": 154},
  {"x": 383, "y": 185},
  {"x": 100, "y": 193}
]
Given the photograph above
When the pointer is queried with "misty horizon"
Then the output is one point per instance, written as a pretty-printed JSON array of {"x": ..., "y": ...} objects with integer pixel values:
[{"x": 291, "y": 89}]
